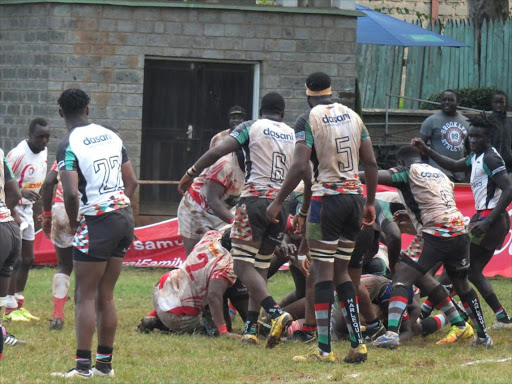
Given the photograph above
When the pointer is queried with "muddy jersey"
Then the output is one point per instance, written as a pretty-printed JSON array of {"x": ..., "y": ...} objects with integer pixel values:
[
  {"x": 29, "y": 168},
  {"x": 429, "y": 199},
  {"x": 374, "y": 284},
  {"x": 218, "y": 138},
  {"x": 226, "y": 172},
  {"x": 334, "y": 133},
  {"x": 97, "y": 154},
  {"x": 5, "y": 176},
  {"x": 483, "y": 170},
  {"x": 183, "y": 291},
  {"x": 268, "y": 148},
  {"x": 59, "y": 193}
]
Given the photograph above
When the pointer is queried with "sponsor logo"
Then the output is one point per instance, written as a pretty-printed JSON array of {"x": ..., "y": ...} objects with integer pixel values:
[
  {"x": 299, "y": 136},
  {"x": 335, "y": 119},
  {"x": 477, "y": 184},
  {"x": 277, "y": 135},
  {"x": 234, "y": 134},
  {"x": 175, "y": 263},
  {"x": 432, "y": 175},
  {"x": 60, "y": 164},
  {"x": 150, "y": 245},
  {"x": 97, "y": 139}
]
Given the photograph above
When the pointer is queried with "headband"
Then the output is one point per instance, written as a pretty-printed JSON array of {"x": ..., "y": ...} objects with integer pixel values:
[{"x": 324, "y": 92}]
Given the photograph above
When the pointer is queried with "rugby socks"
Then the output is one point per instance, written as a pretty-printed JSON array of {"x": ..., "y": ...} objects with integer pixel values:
[
  {"x": 152, "y": 313},
  {"x": 432, "y": 324},
  {"x": 104, "y": 359},
  {"x": 10, "y": 304},
  {"x": 372, "y": 324},
  {"x": 350, "y": 308},
  {"x": 426, "y": 308},
  {"x": 324, "y": 298},
  {"x": 309, "y": 328},
  {"x": 60, "y": 288},
  {"x": 20, "y": 299},
  {"x": 83, "y": 360},
  {"x": 471, "y": 302},
  {"x": 397, "y": 305},
  {"x": 443, "y": 302},
  {"x": 500, "y": 312},
  {"x": 270, "y": 306},
  {"x": 251, "y": 325}
]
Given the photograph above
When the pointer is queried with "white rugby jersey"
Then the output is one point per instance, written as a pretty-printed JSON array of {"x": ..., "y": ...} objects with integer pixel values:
[
  {"x": 5, "y": 176},
  {"x": 97, "y": 154},
  {"x": 29, "y": 168},
  {"x": 334, "y": 133},
  {"x": 268, "y": 147},
  {"x": 184, "y": 291},
  {"x": 484, "y": 168}
]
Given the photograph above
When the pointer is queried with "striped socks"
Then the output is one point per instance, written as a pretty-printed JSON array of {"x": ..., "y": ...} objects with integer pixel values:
[
  {"x": 324, "y": 298},
  {"x": 432, "y": 324},
  {"x": 500, "y": 312},
  {"x": 104, "y": 359},
  {"x": 83, "y": 360},
  {"x": 350, "y": 309},
  {"x": 397, "y": 305}
]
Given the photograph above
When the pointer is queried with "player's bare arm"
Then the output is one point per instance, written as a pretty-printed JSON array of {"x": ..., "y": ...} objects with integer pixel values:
[
  {"x": 214, "y": 193},
  {"x": 228, "y": 145},
  {"x": 69, "y": 181},
  {"x": 129, "y": 179},
  {"x": 216, "y": 290},
  {"x": 443, "y": 161},
  {"x": 47, "y": 191}
]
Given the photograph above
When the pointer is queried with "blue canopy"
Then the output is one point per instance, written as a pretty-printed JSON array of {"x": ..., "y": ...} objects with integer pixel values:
[{"x": 380, "y": 29}]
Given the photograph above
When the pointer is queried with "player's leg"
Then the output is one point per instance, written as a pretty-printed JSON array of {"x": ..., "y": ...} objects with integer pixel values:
[{"x": 60, "y": 285}]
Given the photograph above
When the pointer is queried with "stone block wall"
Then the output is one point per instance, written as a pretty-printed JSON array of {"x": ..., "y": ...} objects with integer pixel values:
[{"x": 46, "y": 48}]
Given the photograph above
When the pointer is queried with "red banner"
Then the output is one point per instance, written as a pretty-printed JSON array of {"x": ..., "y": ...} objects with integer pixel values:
[{"x": 159, "y": 245}]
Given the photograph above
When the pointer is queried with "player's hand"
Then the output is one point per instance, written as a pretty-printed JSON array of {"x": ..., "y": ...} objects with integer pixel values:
[
  {"x": 401, "y": 216},
  {"x": 46, "y": 225},
  {"x": 368, "y": 215},
  {"x": 480, "y": 228},
  {"x": 185, "y": 183},
  {"x": 303, "y": 266},
  {"x": 230, "y": 335},
  {"x": 420, "y": 145},
  {"x": 30, "y": 195},
  {"x": 298, "y": 223},
  {"x": 272, "y": 211},
  {"x": 73, "y": 226}
]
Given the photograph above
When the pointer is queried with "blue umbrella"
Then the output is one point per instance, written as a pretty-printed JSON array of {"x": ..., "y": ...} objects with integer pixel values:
[{"x": 380, "y": 29}]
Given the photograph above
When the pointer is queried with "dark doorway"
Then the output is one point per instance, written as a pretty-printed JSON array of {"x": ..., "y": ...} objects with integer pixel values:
[{"x": 185, "y": 104}]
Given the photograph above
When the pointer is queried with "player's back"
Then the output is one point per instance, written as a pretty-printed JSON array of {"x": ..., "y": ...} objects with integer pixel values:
[
  {"x": 337, "y": 135},
  {"x": 269, "y": 147},
  {"x": 97, "y": 154}
]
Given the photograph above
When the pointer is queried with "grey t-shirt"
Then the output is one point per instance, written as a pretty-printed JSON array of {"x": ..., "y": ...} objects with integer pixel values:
[{"x": 447, "y": 136}]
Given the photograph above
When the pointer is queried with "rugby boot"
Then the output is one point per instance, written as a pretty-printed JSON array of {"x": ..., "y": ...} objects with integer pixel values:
[
  {"x": 279, "y": 325},
  {"x": 457, "y": 334},
  {"x": 356, "y": 355},
  {"x": 315, "y": 356}
]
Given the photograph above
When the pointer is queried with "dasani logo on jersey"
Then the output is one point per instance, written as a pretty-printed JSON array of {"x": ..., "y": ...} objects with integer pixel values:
[{"x": 97, "y": 139}]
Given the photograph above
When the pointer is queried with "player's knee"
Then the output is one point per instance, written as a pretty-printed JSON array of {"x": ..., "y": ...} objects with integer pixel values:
[{"x": 27, "y": 260}]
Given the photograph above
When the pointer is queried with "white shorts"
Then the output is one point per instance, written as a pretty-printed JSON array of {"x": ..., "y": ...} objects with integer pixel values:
[
  {"x": 176, "y": 323},
  {"x": 27, "y": 221},
  {"x": 61, "y": 236},
  {"x": 194, "y": 221}
]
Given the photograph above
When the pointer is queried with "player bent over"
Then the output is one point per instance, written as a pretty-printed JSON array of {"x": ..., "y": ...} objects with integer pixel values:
[
  {"x": 98, "y": 181},
  {"x": 206, "y": 277},
  {"x": 429, "y": 199},
  {"x": 268, "y": 148},
  {"x": 55, "y": 226}
]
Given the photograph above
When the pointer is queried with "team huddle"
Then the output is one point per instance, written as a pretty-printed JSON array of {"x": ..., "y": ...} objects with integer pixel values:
[{"x": 264, "y": 194}]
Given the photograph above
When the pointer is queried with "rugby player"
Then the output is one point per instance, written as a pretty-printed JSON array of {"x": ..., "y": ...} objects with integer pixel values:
[
  {"x": 55, "y": 225},
  {"x": 206, "y": 278},
  {"x": 98, "y": 181},
  {"x": 429, "y": 199},
  {"x": 334, "y": 138},
  {"x": 492, "y": 191},
  {"x": 10, "y": 240},
  {"x": 28, "y": 161},
  {"x": 268, "y": 148}
]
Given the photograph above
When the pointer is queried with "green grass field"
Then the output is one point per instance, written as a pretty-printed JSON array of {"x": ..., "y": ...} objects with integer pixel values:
[{"x": 158, "y": 358}]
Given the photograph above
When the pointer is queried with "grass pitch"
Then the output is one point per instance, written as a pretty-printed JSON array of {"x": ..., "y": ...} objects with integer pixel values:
[{"x": 158, "y": 358}]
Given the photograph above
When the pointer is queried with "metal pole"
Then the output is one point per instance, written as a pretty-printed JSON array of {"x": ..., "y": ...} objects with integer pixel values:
[{"x": 387, "y": 119}]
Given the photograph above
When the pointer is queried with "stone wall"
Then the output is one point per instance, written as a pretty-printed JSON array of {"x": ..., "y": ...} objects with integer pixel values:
[{"x": 46, "y": 48}]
